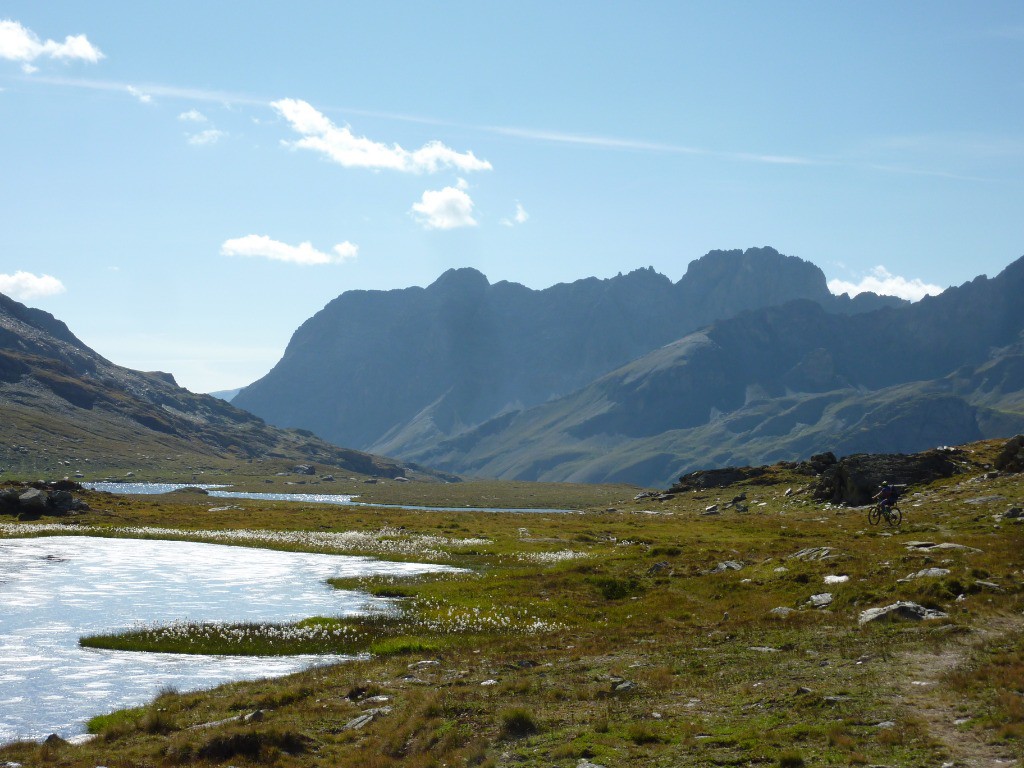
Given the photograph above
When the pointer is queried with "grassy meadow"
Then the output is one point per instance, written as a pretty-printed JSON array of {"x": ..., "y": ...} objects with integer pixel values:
[{"x": 626, "y": 632}]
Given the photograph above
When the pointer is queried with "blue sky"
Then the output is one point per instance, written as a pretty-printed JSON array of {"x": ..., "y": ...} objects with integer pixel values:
[{"x": 185, "y": 183}]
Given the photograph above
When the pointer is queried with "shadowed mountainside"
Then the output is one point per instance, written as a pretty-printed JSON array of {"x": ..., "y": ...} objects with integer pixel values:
[
  {"x": 396, "y": 372},
  {"x": 59, "y": 398},
  {"x": 777, "y": 384}
]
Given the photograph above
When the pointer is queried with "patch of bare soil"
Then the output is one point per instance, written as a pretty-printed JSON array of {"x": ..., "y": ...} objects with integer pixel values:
[{"x": 928, "y": 699}]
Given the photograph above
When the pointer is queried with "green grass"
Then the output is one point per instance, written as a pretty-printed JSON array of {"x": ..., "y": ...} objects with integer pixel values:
[
  {"x": 557, "y": 612},
  {"x": 335, "y": 637}
]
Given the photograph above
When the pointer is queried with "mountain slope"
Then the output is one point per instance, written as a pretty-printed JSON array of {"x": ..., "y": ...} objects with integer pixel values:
[
  {"x": 395, "y": 372},
  {"x": 774, "y": 384},
  {"x": 60, "y": 398}
]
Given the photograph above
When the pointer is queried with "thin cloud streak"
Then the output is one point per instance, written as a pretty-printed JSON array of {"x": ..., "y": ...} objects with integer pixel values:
[
  {"x": 163, "y": 91},
  {"x": 610, "y": 142},
  {"x": 597, "y": 142}
]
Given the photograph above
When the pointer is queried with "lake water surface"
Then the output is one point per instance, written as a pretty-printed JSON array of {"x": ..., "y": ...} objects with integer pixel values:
[
  {"x": 55, "y": 589},
  {"x": 347, "y": 500}
]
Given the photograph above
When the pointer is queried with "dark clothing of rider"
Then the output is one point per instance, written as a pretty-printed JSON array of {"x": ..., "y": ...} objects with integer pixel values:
[{"x": 887, "y": 495}]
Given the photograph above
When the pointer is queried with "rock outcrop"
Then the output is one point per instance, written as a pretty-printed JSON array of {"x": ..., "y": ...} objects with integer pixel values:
[
  {"x": 1011, "y": 458},
  {"x": 35, "y": 499},
  {"x": 855, "y": 479}
]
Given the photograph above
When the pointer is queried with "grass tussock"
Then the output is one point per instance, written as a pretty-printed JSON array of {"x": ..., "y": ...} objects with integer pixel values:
[{"x": 518, "y": 722}]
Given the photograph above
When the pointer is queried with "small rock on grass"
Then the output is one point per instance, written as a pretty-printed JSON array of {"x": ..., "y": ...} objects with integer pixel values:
[
  {"x": 728, "y": 565},
  {"x": 901, "y": 609},
  {"x": 366, "y": 718},
  {"x": 927, "y": 573}
]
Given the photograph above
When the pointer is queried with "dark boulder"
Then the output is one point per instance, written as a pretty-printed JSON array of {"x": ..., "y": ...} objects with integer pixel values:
[
  {"x": 33, "y": 500},
  {"x": 66, "y": 485},
  {"x": 1011, "y": 458},
  {"x": 61, "y": 502},
  {"x": 817, "y": 464},
  {"x": 716, "y": 478},
  {"x": 855, "y": 479},
  {"x": 9, "y": 501}
]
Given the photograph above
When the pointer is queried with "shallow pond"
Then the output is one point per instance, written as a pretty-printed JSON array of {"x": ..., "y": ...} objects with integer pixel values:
[
  {"x": 55, "y": 589},
  {"x": 346, "y": 500}
]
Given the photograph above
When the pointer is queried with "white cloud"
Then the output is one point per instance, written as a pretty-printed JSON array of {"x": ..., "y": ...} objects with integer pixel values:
[
  {"x": 304, "y": 253},
  {"x": 23, "y": 286},
  {"x": 345, "y": 148},
  {"x": 520, "y": 217},
  {"x": 18, "y": 43},
  {"x": 448, "y": 208},
  {"x": 883, "y": 282},
  {"x": 192, "y": 116},
  {"x": 142, "y": 96},
  {"x": 209, "y": 136}
]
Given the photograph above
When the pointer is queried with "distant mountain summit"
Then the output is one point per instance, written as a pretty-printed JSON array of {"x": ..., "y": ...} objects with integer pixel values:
[
  {"x": 397, "y": 372},
  {"x": 59, "y": 398}
]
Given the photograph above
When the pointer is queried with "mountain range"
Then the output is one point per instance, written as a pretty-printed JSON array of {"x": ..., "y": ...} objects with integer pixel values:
[
  {"x": 747, "y": 359},
  {"x": 395, "y": 372}
]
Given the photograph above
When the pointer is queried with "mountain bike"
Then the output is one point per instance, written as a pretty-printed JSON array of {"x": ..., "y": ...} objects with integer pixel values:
[{"x": 891, "y": 513}]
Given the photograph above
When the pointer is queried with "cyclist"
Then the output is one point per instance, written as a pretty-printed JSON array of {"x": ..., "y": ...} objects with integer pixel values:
[{"x": 887, "y": 495}]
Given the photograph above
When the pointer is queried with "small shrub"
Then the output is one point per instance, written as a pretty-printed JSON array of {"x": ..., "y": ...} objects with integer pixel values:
[
  {"x": 791, "y": 758},
  {"x": 251, "y": 744},
  {"x": 399, "y": 646},
  {"x": 518, "y": 722},
  {"x": 476, "y": 753},
  {"x": 616, "y": 589},
  {"x": 665, "y": 552},
  {"x": 643, "y": 733},
  {"x": 391, "y": 592},
  {"x": 156, "y": 722}
]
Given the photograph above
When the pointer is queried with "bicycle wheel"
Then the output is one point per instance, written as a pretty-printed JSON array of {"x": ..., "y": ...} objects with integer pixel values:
[
  {"x": 894, "y": 516},
  {"x": 875, "y": 515}
]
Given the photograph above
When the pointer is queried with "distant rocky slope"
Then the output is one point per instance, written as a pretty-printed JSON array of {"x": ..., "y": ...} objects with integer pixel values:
[
  {"x": 399, "y": 372},
  {"x": 779, "y": 383},
  {"x": 58, "y": 398}
]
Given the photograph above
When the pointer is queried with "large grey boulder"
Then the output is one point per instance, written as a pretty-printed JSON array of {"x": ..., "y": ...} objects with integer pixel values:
[{"x": 33, "y": 500}]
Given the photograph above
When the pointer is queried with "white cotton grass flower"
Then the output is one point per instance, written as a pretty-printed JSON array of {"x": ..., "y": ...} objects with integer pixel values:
[
  {"x": 386, "y": 541},
  {"x": 548, "y": 558}
]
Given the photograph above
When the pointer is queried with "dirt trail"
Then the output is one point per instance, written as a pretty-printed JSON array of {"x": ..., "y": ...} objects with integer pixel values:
[{"x": 926, "y": 698}]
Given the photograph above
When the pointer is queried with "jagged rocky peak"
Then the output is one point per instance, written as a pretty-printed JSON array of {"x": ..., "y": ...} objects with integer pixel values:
[
  {"x": 725, "y": 283},
  {"x": 740, "y": 268},
  {"x": 461, "y": 280}
]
